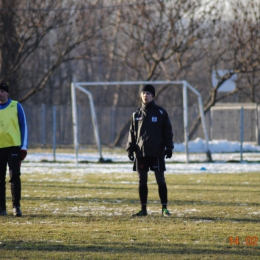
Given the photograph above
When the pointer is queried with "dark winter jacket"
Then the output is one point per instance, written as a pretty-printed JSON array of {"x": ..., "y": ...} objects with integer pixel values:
[{"x": 150, "y": 131}]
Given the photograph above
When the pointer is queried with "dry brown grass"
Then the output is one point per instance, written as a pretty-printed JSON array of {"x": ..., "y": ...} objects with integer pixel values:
[{"x": 75, "y": 216}]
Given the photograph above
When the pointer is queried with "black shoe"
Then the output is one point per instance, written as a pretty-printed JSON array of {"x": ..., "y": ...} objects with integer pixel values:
[
  {"x": 3, "y": 212},
  {"x": 17, "y": 211},
  {"x": 141, "y": 213}
]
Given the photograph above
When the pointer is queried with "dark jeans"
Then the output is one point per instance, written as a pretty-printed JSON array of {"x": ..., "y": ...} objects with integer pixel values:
[{"x": 10, "y": 156}]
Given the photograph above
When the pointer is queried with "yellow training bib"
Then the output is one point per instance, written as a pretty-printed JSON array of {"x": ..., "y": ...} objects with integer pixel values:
[{"x": 10, "y": 134}]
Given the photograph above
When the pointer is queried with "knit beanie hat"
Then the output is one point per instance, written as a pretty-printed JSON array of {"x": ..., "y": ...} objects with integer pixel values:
[
  {"x": 149, "y": 88},
  {"x": 4, "y": 87}
]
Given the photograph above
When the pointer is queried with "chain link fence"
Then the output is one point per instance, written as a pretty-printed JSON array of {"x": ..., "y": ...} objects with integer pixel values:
[
  {"x": 235, "y": 121},
  {"x": 49, "y": 125}
]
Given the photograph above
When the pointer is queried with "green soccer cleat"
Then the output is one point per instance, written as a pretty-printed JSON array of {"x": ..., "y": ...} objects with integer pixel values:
[
  {"x": 166, "y": 212},
  {"x": 141, "y": 213}
]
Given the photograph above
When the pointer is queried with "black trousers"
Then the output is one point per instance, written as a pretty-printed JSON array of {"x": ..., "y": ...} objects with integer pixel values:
[
  {"x": 143, "y": 187},
  {"x": 10, "y": 157},
  {"x": 156, "y": 164}
]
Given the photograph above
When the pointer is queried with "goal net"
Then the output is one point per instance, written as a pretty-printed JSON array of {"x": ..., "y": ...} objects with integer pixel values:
[{"x": 80, "y": 86}]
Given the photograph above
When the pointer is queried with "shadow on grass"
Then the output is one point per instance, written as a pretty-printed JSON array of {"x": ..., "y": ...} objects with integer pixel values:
[
  {"x": 133, "y": 248},
  {"x": 221, "y": 219},
  {"x": 134, "y": 186},
  {"x": 90, "y": 217},
  {"x": 113, "y": 186},
  {"x": 118, "y": 200},
  {"x": 213, "y": 203}
]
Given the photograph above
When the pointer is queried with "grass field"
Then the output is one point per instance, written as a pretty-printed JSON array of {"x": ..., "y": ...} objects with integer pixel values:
[{"x": 88, "y": 216}]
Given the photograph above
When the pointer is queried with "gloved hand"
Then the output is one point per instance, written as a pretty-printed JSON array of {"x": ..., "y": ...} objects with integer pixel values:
[
  {"x": 131, "y": 156},
  {"x": 23, "y": 154},
  {"x": 168, "y": 153}
]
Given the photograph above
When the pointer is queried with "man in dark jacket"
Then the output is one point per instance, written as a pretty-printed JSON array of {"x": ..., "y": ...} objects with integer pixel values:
[{"x": 151, "y": 139}]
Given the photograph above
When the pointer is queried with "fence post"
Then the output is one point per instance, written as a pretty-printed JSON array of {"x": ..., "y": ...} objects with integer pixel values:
[
  {"x": 43, "y": 108},
  {"x": 185, "y": 121},
  {"x": 54, "y": 132},
  {"x": 112, "y": 124},
  {"x": 257, "y": 125},
  {"x": 79, "y": 123},
  {"x": 241, "y": 132}
]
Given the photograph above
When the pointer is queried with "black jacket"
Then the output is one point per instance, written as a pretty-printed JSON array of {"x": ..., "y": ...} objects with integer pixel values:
[{"x": 150, "y": 131}]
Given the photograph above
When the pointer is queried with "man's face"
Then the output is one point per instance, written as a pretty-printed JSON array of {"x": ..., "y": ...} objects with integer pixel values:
[
  {"x": 146, "y": 97},
  {"x": 3, "y": 96}
]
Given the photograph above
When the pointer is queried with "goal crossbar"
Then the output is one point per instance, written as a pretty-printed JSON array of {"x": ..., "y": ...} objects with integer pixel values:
[{"x": 185, "y": 85}]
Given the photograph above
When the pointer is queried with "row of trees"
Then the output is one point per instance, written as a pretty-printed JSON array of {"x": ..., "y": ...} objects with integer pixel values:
[{"x": 47, "y": 44}]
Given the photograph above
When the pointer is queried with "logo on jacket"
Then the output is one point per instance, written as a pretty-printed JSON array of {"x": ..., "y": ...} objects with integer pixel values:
[
  {"x": 154, "y": 119},
  {"x": 139, "y": 118}
]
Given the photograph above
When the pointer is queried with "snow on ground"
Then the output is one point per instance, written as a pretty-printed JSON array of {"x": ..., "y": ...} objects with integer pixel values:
[
  {"x": 217, "y": 146},
  {"x": 59, "y": 168},
  {"x": 222, "y": 152}
]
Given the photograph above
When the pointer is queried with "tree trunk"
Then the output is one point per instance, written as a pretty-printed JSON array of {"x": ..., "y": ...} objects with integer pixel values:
[
  {"x": 122, "y": 133},
  {"x": 9, "y": 46}
]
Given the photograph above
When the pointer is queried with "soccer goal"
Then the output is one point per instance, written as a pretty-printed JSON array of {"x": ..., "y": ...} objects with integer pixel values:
[{"x": 185, "y": 85}]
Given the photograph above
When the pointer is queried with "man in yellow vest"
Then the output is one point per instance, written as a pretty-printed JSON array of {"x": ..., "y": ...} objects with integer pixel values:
[{"x": 13, "y": 148}]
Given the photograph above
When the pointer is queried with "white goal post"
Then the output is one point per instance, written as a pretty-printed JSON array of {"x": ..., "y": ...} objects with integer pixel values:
[{"x": 183, "y": 83}]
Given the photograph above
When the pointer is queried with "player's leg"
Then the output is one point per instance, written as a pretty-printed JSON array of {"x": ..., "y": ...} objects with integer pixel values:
[
  {"x": 157, "y": 164},
  {"x": 143, "y": 189},
  {"x": 15, "y": 180},
  {"x": 163, "y": 192},
  {"x": 143, "y": 193},
  {"x": 3, "y": 164},
  {"x": 142, "y": 186}
]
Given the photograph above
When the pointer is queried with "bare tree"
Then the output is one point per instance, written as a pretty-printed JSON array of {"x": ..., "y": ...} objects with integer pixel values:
[
  {"x": 157, "y": 40},
  {"x": 9, "y": 46},
  {"x": 233, "y": 45},
  {"x": 54, "y": 29}
]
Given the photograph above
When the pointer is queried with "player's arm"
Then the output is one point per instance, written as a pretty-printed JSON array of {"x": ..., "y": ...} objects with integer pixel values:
[
  {"x": 167, "y": 132},
  {"x": 130, "y": 147},
  {"x": 23, "y": 130},
  {"x": 131, "y": 136}
]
